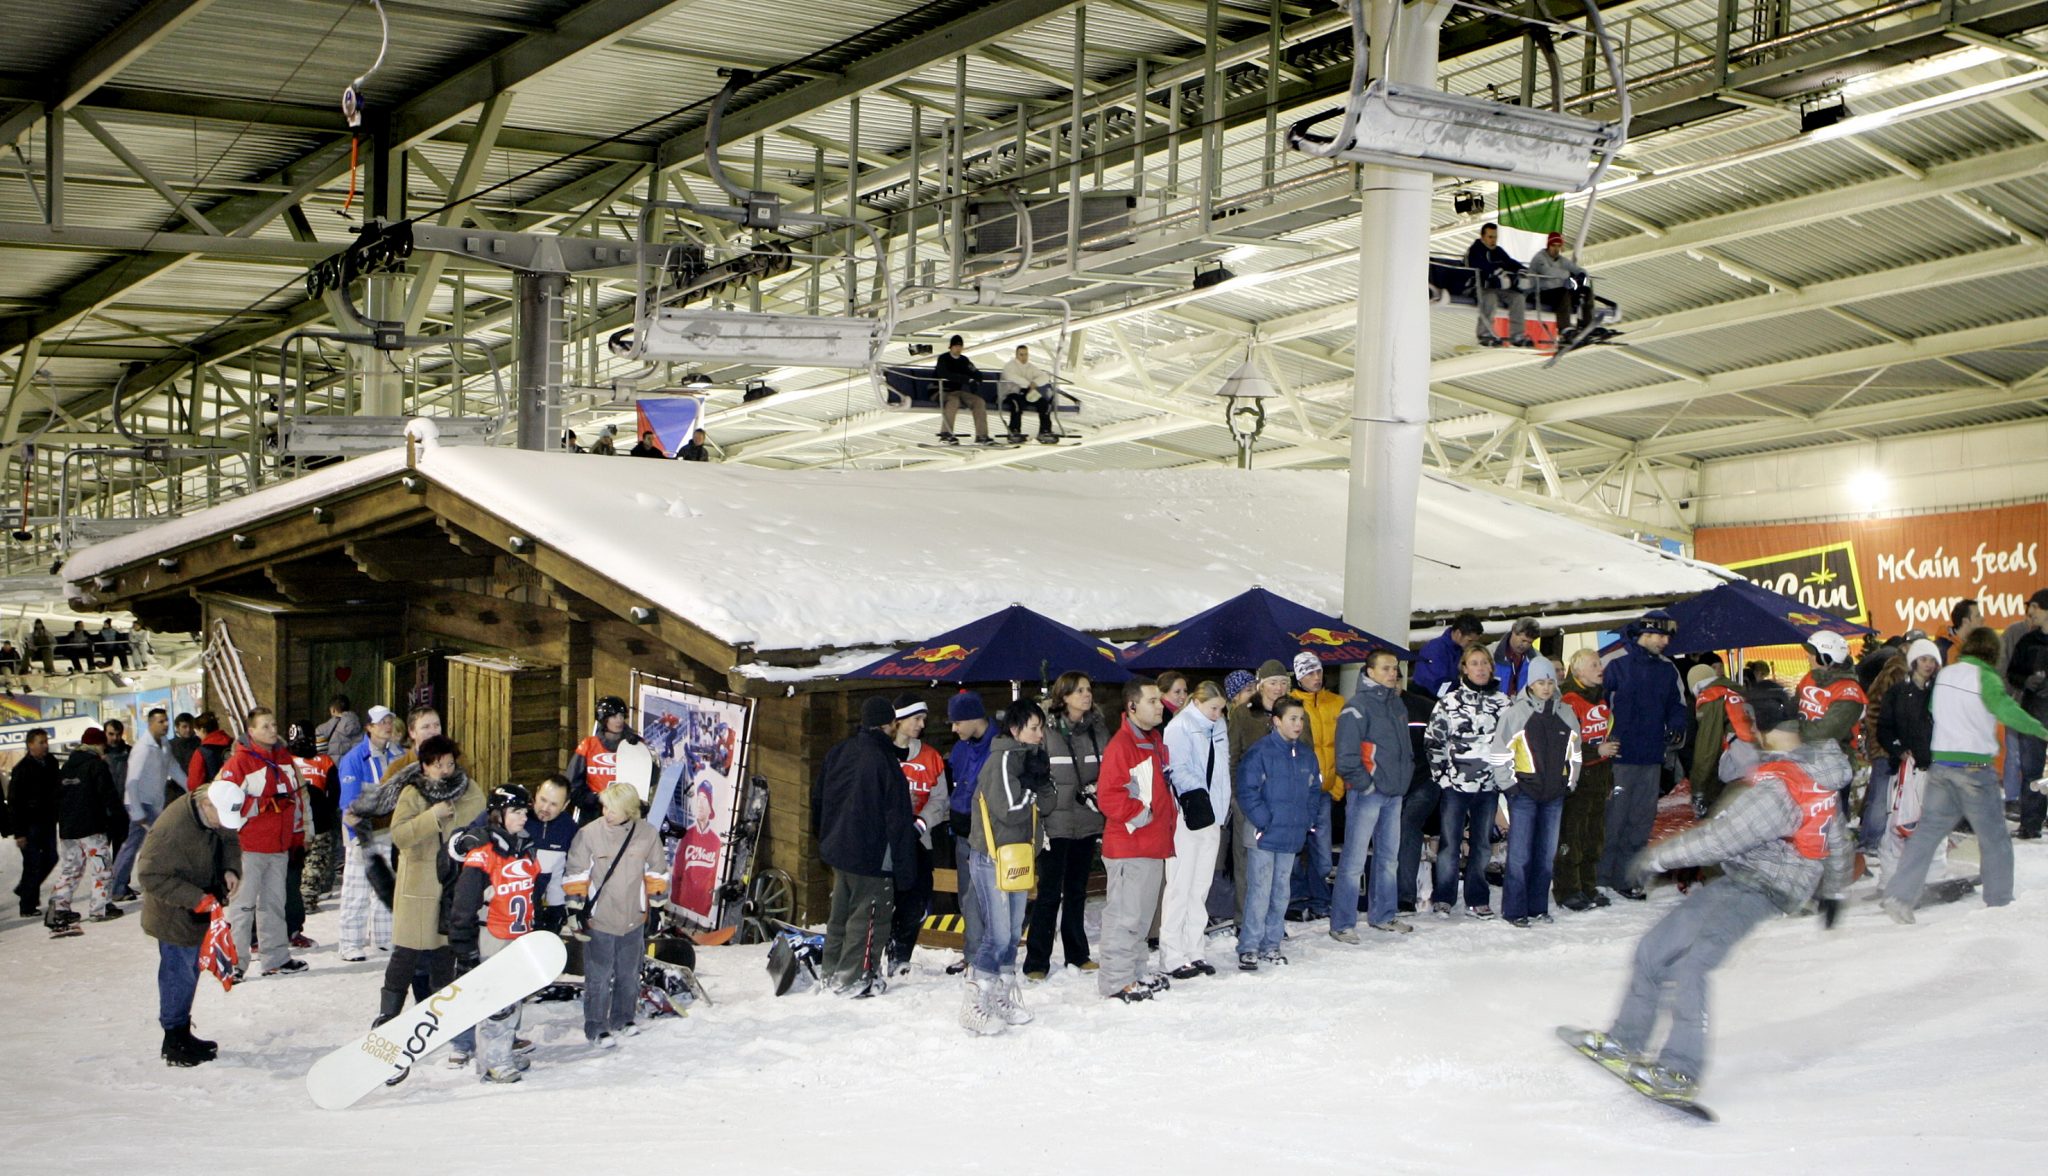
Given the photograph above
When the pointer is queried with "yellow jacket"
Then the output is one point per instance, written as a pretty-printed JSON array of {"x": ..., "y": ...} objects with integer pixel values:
[{"x": 1323, "y": 708}]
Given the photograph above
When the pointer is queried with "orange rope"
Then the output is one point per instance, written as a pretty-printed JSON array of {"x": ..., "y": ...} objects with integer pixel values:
[{"x": 348, "y": 203}]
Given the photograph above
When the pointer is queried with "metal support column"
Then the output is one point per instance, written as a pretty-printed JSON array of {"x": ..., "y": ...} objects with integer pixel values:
[
  {"x": 1077, "y": 88},
  {"x": 383, "y": 390},
  {"x": 53, "y": 171},
  {"x": 542, "y": 327},
  {"x": 1390, "y": 397}
]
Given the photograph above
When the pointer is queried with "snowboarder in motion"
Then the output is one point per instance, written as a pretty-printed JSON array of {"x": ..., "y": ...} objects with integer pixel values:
[{"x": 1780, "y": 842}]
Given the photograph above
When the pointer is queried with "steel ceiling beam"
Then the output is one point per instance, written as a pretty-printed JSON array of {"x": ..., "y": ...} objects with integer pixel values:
[
  {"x": 903, "y": 59},
  {"x": 1887, "y": 412},
  {"x": 87, "y": 71}
]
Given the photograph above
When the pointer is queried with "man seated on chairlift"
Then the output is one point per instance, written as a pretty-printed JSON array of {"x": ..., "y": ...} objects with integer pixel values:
[
  {"x": 1496, "y": 279},
  {"x": 1560, "y": 282},
  {"x": 957, "y": 379},
  {"x": 1024, "y": 384}
]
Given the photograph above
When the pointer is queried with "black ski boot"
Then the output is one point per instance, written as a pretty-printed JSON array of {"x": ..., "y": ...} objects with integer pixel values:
[
  {"x": 210, "y": 1048},
  {"x": 181, "y": 1050}
]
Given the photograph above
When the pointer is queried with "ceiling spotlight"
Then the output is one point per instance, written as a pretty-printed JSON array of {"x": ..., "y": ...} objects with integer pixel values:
[
  {"x": 1211, "y": 273},
  {"x": 1814, "y": 118},
  {"x": 696, "y": 380},
  {"x": 1466, "y": 202},
  {"x": 757, "y": 390}
]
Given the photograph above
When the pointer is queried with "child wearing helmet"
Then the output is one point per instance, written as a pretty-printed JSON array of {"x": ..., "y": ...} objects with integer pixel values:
[
  {"x": 496, "y": 899},
  {"x": 591, "y": 768}
]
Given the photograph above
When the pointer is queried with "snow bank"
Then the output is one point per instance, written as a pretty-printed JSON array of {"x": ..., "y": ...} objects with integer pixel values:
[
  {"x": 1874, "y": 1049},
  {"x": 786, "y": 559}
]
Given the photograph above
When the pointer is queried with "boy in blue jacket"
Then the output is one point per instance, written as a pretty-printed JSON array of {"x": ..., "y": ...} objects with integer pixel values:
[{"x": 1276, "y": 789}]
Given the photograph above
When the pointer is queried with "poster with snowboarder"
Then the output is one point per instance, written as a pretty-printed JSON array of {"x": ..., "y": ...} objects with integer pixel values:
[{"x": 699, "y": 743}]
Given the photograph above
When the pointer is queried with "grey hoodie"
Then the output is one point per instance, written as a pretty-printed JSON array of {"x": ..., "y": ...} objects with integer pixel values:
[{"x": 1014, "y": 785}]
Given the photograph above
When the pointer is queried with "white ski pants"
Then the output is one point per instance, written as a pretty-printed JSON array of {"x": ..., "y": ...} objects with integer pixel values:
[{"x": 1184, "y": 914}]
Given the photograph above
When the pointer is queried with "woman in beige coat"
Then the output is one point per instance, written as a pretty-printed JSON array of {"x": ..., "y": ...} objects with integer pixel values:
[{"x": 435, "y": 798}]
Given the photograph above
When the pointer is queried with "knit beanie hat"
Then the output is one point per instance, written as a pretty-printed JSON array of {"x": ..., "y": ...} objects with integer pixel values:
[
  {"x": 1306, "y": 663},
  {"x": 1235, "y": 682},
  {"x": 1699, "y": 676},
  {"x": 93, "y": 737},
  {"x": 965, "y": 707},
  {"x": 1271, "y": 668},
  {"x": 875, "y": 711},
  {"x": 1540, "y": 668}
]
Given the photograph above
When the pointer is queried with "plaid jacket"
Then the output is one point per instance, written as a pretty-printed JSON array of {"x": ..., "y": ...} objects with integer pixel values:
[{"x": 1748, "y": 839}]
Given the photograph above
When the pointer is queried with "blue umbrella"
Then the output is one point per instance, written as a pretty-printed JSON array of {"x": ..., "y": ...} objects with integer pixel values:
[
  {"x": 1740, "y": 615},
  {"x": 1249, "y": 628},
  {"x": 1014, "y": 645}
]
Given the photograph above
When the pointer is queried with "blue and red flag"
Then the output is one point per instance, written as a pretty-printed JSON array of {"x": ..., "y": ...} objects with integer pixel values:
[{"x": 671, "y": 419}]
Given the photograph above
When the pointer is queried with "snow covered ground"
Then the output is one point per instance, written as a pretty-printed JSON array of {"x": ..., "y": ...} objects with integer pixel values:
[{"x": 1875, "y": 1049}]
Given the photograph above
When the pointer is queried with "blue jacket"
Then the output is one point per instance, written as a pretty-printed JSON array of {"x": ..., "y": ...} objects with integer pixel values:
[
  {"x": 963, "y": 767},
  {"x": 1276, "y": 790},
  {"x": 1375, "y": 718},
  {"x": 361, "y": 768},
  {"x": 1437, "y": 663},
  {"x": 1648, "y": 705}
]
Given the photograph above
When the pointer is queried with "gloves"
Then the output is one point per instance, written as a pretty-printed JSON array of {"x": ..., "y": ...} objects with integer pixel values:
[
  {"x": 206, "y": 905},
  {"x": 959, "y": 823},
  {"x": 1830, "y": 910},
  {"x": 1086, "y": 793}
]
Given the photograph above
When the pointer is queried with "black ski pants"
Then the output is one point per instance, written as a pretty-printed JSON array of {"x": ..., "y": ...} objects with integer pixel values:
[{"x": 1063, "y": 869}]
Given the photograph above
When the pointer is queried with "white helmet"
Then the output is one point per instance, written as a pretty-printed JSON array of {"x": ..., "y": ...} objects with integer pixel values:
[
  {"x": 1829, "y": 649},
  {"x": 226, "y": 797}
]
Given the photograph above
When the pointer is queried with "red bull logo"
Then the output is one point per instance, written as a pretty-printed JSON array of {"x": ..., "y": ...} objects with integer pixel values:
[
  {"x": 1330, "y": 638},
  {"x": 1158, "y": 639},
  {"x": 926, "y": 661},
  {"x": 1107, "y": 652},
  {"x": 1810, "y": 620},
  {"x": 940, "y": 654}
]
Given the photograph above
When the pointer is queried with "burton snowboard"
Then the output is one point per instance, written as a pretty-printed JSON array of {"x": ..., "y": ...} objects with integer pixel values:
[{"x": 344, "y": 1076}]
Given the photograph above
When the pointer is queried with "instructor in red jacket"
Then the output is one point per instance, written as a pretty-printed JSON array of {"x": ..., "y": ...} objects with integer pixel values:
[
  {"x": 1139, "y": 818},
  {"x": 261, "y": 766}
]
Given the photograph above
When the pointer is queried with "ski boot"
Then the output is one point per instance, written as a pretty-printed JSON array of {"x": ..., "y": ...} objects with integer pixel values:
[
  {"x": 1598, "y": 1046},
  {"x": 1272, "y": 958},
  {"x": 180, "y": 1050},
  {"x": 1157, "y": 982},
  {"x": 1004, "y": 1002},
  {"x": 1247, "y": 961}
]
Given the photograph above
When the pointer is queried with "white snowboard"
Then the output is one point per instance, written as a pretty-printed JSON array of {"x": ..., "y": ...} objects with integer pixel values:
[
  {"x": 532, "y": 962},
  {"x": 633, "y": 764}
]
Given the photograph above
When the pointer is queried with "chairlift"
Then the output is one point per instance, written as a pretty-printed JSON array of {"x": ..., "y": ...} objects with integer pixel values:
[
  {"x": 672, "y": 276},
  {"x": 1406, "y": 125}
]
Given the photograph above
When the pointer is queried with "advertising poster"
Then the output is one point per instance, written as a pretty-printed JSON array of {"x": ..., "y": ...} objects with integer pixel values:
[
  {"x": 1893, "y": 574},
  {"x": 699, "y": 742}
]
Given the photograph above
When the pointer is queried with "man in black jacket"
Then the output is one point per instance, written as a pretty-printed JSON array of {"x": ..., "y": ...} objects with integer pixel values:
[
  {"x": 960, "y": 381},
  {"x": 33, "y": 789},
  {"x": 89, "y": 815},
  {"x": 860, "y": 811},
  {"x": 2027, "y": 673},
  {"x": 1496, "y": 279}
]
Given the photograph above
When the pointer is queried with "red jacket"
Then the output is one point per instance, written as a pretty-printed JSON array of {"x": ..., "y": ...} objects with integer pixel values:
[
  {"x": 1127, "y": 749},
  {"x": 270, "y": 817},
  {"x": 211, "y": 756}
]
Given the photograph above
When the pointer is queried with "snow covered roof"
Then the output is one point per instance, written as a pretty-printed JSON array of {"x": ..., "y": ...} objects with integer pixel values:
[{"x": 801, "y": 559}]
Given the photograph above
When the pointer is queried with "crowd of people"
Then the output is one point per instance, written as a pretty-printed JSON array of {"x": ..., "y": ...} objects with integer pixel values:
[
  {"x": 1216, "y": 806},
  {"x": 697, "y": 448},
  {"x": 82, "y": 650},
  {"x": 1220, "y": 811},
  {"x": 433, "y": 869}
]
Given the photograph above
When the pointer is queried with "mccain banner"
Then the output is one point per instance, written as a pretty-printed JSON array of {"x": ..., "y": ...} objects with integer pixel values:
[{"x": 1895, "y": 574}]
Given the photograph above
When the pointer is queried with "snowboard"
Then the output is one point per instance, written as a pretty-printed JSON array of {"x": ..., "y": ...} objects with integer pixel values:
[
  {"x": 676, "y": 957},
  {"x": 344, "y": 1076},
  {"x": 793, "y": 953},
  {"x": 633, "y": 764},
  {"x": 1569, "y": 1035}
]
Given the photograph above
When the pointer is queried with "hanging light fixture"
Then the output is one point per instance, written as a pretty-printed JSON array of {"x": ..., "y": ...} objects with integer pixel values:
[
  {"x": 696, "y": 380},
  {"x": 1244, "y": 393}
]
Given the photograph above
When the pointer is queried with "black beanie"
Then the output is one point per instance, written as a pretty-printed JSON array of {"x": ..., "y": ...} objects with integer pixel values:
[{"x": 876, "y": 712}]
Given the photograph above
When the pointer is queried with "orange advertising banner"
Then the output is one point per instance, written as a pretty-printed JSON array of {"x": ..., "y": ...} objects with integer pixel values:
[{"x": 1895, "y": 574}]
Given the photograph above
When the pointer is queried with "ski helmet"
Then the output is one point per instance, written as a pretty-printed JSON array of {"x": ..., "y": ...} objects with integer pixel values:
[
  {"x": 509, "y": 796},
  {"x": 1829, "y": 649},
  {"x": 298, "y": 739},
  {"x": 609, "y": 705}
]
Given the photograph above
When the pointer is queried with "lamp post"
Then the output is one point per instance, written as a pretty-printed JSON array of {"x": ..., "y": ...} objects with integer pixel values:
[{"x": 1245, "y": 392}]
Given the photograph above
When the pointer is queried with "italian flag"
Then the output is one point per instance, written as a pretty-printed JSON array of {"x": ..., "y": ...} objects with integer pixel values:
[{"x": 1527, "y": 218}]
